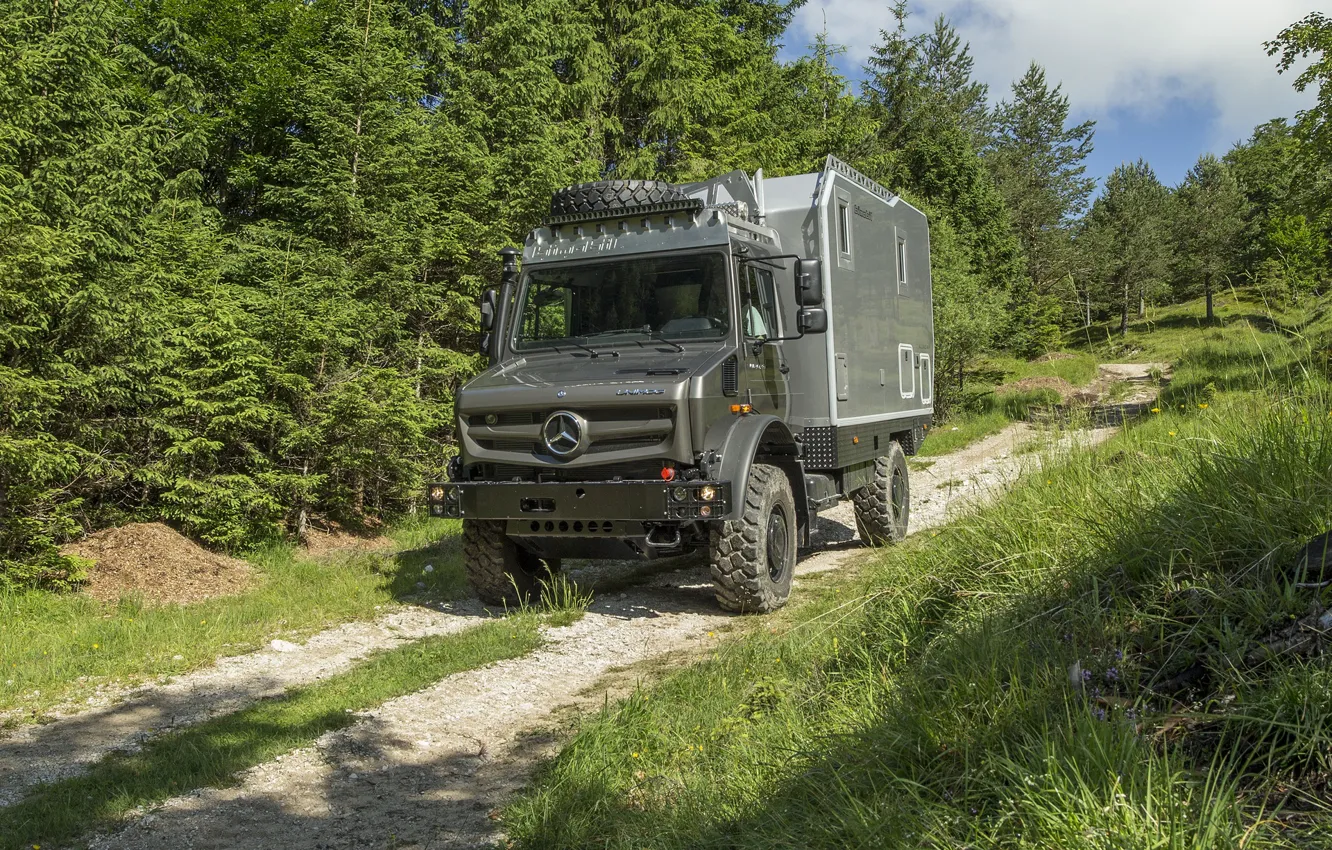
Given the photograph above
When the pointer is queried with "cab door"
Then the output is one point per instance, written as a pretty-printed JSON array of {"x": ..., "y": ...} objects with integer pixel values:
[{"x": 763, "y": 367}]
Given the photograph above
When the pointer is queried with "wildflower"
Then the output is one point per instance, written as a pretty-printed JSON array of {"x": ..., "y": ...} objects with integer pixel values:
[
  {"x": 1112, "y": 675},
  {"x": 97, "y": 646},
  {"x": 635, "y": 755},
  {"x": 1202, "y": 406},
  {"x": 1156, "y": 410},
  {"x": 1172, "y": 433},
  {"x": 1100, "y": 714},
  {"x": 710, "y": 634},
  {"x": 1086, "y": 675}
]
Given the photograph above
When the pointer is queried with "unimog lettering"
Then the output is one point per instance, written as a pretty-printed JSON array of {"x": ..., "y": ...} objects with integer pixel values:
[{"x": 770, "y": 317}]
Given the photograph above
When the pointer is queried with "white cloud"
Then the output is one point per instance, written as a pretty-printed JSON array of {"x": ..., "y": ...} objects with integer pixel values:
[{"x": 1136, "y": 55}]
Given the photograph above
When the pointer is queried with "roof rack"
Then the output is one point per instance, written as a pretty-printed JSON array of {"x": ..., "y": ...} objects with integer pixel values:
[{"x": 689, "y": 205}]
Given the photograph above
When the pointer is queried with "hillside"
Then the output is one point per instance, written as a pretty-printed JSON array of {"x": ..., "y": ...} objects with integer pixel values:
[{"x": 1124, "y": 651}]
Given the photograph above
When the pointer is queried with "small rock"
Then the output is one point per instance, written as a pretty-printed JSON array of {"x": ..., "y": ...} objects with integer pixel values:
[
  {"x": 177, "y": 658},
  {"x": 420, "y": 585},
  {"x": 1325, "y": 621},
  {"x": 429, "y": 568},
  {"x": 284, "y": 646}
]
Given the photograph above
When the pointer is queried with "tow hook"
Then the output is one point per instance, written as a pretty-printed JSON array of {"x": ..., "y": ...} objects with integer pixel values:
[{"x": 668, "y": 544}]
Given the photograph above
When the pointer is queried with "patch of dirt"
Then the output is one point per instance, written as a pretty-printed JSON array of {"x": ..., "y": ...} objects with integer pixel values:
[
  {"x": 160, "y": 564},
  {"x": 1041, "y": 382},
  {"x": 335, "y": 540},
  {"x": 1053, "y": 356}
]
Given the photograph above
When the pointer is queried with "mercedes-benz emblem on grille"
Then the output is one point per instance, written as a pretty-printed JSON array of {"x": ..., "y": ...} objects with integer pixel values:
[{"x": 563, "y": 434}]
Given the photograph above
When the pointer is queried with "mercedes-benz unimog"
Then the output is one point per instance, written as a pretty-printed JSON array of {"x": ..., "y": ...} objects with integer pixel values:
[{"x": 690, "y": 367}]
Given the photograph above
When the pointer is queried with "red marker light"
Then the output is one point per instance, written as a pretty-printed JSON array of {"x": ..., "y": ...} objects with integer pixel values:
[{"x": 667, "y": 473}]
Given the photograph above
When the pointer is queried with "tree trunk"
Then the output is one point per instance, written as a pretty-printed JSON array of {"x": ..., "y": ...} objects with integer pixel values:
[
  {"x": 1124, "y": 311},
  {"x": 1142, "y": 307},
  {"x": 1207, "y": 289}
]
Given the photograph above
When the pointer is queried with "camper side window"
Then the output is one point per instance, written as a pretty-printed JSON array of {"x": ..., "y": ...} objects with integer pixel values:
[
  {"x": 843, "y": 230},
  {"x": 901, "y": 266}
]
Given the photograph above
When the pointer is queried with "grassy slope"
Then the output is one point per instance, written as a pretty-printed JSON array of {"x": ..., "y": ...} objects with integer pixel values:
[
  {"x": 935, "y": 704},
  {"x": 211, "y": 753},
  {"x": 55, "y": 648}
]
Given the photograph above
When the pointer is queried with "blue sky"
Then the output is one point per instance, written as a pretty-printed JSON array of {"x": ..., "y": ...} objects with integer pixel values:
[{"x": 1166, "y": 80}]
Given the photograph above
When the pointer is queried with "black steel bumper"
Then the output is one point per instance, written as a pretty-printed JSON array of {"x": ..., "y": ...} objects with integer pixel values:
[{"x": 655, "y": 501}]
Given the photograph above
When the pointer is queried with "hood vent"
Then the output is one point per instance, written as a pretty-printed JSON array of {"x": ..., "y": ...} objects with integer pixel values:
[{"x": 731, "y": 376}]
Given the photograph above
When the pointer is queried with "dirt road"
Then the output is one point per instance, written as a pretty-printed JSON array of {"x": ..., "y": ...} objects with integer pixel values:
[{"x": 425, "y": 770}]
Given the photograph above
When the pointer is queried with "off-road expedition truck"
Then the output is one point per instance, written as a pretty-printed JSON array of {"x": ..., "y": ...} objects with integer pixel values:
[{"x": 682, "y": 367}]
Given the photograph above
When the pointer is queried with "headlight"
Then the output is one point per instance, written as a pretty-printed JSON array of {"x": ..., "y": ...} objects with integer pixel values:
[
  {"x": 492, "y": 419},
  {"x": 436, "y": 494},
  {"x": 705, "y": 511},
  {"x": 679, "y": 494},
  {"x": 707, "y": 493}
]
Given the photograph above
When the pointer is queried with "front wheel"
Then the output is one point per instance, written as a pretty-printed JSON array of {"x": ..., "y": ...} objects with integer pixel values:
[
  {"x": 883, "y": 507},
  {"x": 499, "y": 570},
  {"x": 753, "y": 558}
]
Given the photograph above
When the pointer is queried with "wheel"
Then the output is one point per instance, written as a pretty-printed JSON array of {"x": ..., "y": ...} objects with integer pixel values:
[
  {"x": 610, "y": 195},
  {"x": 753, "y": 558},
  {"x": 499, "y": 570},
  {"x": 883, "y": 507}
]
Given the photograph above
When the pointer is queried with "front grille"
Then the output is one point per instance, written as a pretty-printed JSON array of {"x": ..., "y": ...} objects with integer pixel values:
[
  {"x": 625, "y": 444},
  {"x": 629, "y": 427}
]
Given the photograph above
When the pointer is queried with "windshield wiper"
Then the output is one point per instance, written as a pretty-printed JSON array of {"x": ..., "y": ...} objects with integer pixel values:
[
  {"x": 592, "y": 351},
  {"x": 646, "y": 331}
]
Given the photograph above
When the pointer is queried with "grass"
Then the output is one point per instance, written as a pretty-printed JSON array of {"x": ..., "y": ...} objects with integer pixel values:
[
  {"x": 1072, "y": 666},
  {"x": 54, "y": 649},
  {"x": 211, "y": 753},
  {"x": 961, "y": 432}
]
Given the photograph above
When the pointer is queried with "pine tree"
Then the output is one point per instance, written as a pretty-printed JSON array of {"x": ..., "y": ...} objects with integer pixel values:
[
  {"x": 1038, "y": 161},
  {"x": 1209, "y": 220},
  {"x": 1131, "y": 219}
]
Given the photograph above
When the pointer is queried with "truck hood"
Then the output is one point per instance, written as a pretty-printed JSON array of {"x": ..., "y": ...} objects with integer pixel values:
[{"x": 653, "y": 365}]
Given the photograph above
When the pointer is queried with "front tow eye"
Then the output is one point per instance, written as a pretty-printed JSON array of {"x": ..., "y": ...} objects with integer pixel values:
[{"x": 667, "y": 544}]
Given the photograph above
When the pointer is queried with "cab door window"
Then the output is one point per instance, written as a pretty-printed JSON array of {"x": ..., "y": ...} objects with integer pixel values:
[{"x": 760, "y": 304}]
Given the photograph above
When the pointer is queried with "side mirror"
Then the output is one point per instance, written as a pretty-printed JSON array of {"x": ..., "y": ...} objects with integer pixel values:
[
  {"x": 488, "y": 300},
  {"x": 812, "y": 320},
  {"x": 809, "y": 282}
]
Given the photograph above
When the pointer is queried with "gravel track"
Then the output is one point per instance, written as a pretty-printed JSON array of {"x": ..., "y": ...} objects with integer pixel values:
[{"x": 425, "y": 770}]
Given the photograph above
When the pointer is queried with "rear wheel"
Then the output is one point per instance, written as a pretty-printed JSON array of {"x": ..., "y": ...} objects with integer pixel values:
[
  {"x": 883, "y": 507},
  {"x": 753, "y": 558},
  {"x": 499, "y": 570}
]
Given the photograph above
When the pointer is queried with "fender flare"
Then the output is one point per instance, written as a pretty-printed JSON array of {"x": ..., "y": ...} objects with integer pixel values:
[{"x": 732, "y": 446}]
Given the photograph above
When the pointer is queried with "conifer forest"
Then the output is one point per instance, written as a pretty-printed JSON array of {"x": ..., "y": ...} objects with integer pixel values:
[{"x": 242, "y": 242}]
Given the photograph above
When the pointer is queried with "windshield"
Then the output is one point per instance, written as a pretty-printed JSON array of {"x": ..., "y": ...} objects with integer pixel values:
[{"x": 681, "y": 297}]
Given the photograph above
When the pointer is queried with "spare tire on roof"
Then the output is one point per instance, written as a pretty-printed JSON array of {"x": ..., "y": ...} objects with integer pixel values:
[{"x": 611, "y": 195}]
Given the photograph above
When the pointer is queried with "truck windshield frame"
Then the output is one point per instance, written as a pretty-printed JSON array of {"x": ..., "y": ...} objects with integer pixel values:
[{"x": 680, "y": 296}]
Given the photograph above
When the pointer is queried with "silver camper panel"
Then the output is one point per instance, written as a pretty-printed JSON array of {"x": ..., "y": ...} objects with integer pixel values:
[{"x": 876, "y": 363}]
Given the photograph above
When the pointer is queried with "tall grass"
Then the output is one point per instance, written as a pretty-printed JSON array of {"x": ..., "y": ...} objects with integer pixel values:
[
  {"x": 1066, "y": 668},
  {"x": 55, "y": 648}
]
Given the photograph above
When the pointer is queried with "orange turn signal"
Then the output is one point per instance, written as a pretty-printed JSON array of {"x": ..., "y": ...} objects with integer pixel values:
[{"x": 742, "y": 408}]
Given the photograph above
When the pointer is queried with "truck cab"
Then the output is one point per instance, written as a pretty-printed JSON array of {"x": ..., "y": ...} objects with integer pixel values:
[{"x": 676, "y": 368}]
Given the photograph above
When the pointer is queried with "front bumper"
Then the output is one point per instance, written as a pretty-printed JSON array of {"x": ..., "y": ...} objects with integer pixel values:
[{"x": 657, "y": 501}]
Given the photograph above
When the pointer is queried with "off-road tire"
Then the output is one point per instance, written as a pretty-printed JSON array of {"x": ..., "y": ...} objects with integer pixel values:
[
  {"x": 751, "y": 568},
  {"x": 499, "y": 570},
  {"x": 880, "y": 518},
  {"x": 611, "y": 195}
]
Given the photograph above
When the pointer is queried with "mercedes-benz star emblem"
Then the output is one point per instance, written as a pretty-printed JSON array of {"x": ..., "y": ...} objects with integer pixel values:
[
  {"x": 561, "y": 394},
  {"x": 563, "y": 434}
]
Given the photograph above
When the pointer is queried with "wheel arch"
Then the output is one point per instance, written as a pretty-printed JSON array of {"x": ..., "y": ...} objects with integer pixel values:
[{"x": 732, "y": 447}]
